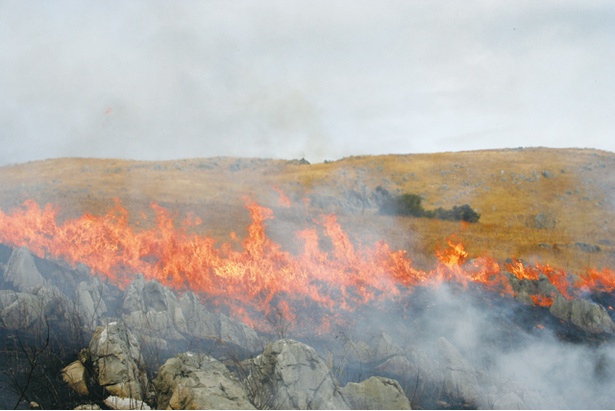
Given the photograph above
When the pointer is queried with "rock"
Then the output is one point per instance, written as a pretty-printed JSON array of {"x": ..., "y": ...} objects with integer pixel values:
[
  {"x": 510, "y": 401},
  {"x": 151, "y": 308},
  {"x": 375, "y": 393},
  {"x": 458, "y": 376},
  {"x": 584, "y": 314},
  {"x": 90, "y": 302},
  {"x": 203, "y": 323},
  {"x": 239, "y": 334},
  {"x": 21, "y": 272},
  {"x": 75, "y": 375},
  {"x": 198, "y": 381},
  {"x": 291, "y": 375},
  {"x": 117, "y": 361},
  {"x": 20, "y": 310},
  {"x": 117, "y": 403},
  {"x": 87, "y": 407}
]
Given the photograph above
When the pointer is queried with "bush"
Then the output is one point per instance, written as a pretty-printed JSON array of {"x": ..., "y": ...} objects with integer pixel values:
[
  {"x": 410, "y": 205},
  {"x": 405, "y": 205}
]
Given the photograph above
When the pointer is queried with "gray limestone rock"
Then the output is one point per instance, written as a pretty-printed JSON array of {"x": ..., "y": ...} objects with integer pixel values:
[
  {"x": 21, "y": 272},
  {"x": 291, "y": 375},
  {"x": 375, "y": 393},
  {"x": 458, "y": 376},
  {"x": 584, "y": 314},
  {"x": 198, "y": 381},
  {"x": 151, "y": 308},
  {"x": 90, "y": 302},
  {"x": 117, "y": 361}
]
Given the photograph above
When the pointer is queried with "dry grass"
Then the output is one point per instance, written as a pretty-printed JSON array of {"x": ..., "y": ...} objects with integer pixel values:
[{"x": 573, "y": 189}]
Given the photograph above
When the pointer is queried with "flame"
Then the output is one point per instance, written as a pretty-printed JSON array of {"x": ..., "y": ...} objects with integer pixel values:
[
  {"x": 283, "y": 200},
  {"x": 255, "y": 277}
]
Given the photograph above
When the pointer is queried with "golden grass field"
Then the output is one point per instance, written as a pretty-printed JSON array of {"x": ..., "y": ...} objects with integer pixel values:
[{"x": 535, "y": 204}]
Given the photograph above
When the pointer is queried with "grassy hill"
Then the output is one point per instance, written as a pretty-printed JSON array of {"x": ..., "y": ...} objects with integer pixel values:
[{"x": 550, "y": 205}]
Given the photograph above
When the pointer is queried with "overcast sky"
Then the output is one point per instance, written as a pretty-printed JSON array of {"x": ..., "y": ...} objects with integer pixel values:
[{"x": 291, "y": 79}]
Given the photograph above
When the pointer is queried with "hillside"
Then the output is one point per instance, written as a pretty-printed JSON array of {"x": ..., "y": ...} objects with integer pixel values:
[{"x": 549, "y": 205}]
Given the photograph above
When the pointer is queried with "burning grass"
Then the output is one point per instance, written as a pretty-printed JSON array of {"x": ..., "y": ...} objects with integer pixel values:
[{"x": 254, "y": 276}]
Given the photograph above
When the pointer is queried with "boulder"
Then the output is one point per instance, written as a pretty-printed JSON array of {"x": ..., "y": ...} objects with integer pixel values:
[
  {"x": 198, "y": 381},
  {"x": 586, "y": 315},
  {"x": 459, "y": 378},
  {"x": 117, "y": 361},
  {"x": 21, "y": 272},
  {"x": 118, "y": 403},
  {"x": 375, "y": 393},
  {"x": 76, "y": 376},
  {"x": 291, "y": 375}
]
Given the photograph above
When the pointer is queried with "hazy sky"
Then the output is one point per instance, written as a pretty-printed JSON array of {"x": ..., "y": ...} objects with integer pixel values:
[{"x": 291, "y": 79}]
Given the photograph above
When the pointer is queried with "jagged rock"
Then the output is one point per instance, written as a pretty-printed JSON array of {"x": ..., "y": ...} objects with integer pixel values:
[
  {"x": 458, "y": 376},
  {"x": 203, "y": 323},
  {"x": 21, "y": 272},
  {"x": 375, "y": 393},
  {"x": 239, "y": 333},
  {"x": 291, "y": 375},
  {"x": 117, "y": 361},
  {"x": 151, "y": 308},
  {"x": 20, "y": 310},
  {"x": 117, "y": 403},
  {"x": 90, "y": 302},
  {"x": 386, "y": 348},
  {"x": 584, "y": 314},
  {"x": 198, "y": 381},
  {"x": 76, "y": 376}
]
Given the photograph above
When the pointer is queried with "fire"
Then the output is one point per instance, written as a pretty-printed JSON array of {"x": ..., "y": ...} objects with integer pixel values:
[{"x": 255, "y": 277}]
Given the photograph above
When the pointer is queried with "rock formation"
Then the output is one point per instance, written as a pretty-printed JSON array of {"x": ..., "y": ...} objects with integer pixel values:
[
  {"x": 117, "y": 361},
  {"x": 375, "y": 393},
  {"x": 291, "y": 375},
  {"x": 198, "y": 381}
]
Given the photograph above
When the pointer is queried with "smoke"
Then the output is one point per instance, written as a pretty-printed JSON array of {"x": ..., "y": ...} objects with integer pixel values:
[
  {"x": 506, "y": 349},
  {"x": 148, "y": 80}
]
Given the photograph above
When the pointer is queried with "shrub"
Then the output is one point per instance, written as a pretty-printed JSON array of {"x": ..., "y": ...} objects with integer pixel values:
[
  {"x": 406, "y": 205},
  {"x": 410, "y": 205}
]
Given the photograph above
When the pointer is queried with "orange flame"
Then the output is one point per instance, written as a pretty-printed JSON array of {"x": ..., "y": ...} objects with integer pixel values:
[{"x": 261, "y": 276}]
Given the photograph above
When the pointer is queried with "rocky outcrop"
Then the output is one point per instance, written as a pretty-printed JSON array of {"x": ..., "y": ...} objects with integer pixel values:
[
  {"x": 375, "y": 393},
  {"x": 21, "y": 273},
  {"x": 198, "y": 381},
  {"x": 153, "y": 309},
  {"x": 117, "y": 362},
  {"x": 584, "y": 314},
  {"x": 459, "y": 378},
  {"x": 90, "y": 302},
  {"x": 291, "y": 375}
]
